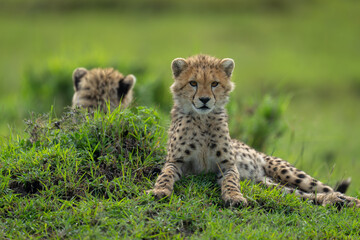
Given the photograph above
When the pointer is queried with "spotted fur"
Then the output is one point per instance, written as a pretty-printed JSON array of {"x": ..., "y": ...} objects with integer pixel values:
[
  {"x": 199, "y": 140},
  {"x": 97, "y": 87}
]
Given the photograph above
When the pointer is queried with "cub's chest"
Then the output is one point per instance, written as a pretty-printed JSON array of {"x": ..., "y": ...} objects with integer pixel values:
[{"x": 198, "y": 144}]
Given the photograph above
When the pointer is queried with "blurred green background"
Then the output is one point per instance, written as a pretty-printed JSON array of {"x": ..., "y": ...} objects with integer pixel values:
[{"x": 300, "y": 59}]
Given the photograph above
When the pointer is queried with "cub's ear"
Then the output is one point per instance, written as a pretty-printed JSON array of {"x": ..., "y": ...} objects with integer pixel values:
[
  {"x": 227, "y": 65},
  {"x": 77, "y": 75},
  {"x": 178, "y": 65},
  {"x": 125, "y": 85}
]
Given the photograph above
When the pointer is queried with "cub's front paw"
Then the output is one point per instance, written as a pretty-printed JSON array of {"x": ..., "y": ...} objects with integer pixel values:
[
  {"x": 234, "y": 199},
  {"x": 159, "y": 193}
]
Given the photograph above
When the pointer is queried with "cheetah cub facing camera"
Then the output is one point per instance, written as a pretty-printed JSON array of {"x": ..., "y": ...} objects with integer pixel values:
[
  {"x": 94, "y": 88},
  {"x": 199, "y": 140}
]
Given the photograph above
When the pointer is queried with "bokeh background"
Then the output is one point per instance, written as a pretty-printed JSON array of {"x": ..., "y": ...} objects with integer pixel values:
[{"x": 297, "y": 68}]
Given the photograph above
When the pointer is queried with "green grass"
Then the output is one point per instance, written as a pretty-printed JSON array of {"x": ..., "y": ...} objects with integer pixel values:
[
  {"x": 298, "y": 61},
  {"x": 85, "y": 175}
]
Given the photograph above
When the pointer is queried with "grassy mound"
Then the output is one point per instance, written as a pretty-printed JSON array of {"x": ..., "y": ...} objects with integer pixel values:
[
  {"x": 83, "y": 175},
  {"x": 83, "y": 154}
]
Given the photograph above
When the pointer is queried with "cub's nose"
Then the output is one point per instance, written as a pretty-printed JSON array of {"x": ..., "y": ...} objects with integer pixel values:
[{"x": 204, "y": 100}]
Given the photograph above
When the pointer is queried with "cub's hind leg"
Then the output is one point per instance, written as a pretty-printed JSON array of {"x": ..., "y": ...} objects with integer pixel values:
[
  {"x": 285, "y": 173},
  {"x": 293, "y": 180},
  {"x": 323, "y": 199}
]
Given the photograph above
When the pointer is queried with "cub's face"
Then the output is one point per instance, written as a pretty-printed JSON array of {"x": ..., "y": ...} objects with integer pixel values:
[
  {"x": 96, "y": 87},
  {"x": 202, "y": 83}
]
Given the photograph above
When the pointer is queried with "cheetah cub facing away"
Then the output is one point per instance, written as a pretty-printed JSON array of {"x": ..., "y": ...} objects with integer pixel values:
[
  {"x": 94, "y": 88},
  {"x": 199, "y": 140}
]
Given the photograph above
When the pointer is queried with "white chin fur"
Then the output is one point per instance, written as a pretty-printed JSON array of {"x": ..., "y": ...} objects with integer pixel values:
[{"x": 202, "y": 111}]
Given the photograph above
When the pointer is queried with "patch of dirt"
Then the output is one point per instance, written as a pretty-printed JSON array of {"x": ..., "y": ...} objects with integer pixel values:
[{"x": 26, "y": 188}]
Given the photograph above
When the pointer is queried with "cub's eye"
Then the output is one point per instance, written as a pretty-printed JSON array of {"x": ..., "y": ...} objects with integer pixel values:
[
  {"x": 193, "y": 83},
  {"x": 214, "y": 84}
]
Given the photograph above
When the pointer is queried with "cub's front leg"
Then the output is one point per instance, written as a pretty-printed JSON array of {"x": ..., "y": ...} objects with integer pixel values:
[
  {"x": 170, "y": 173},
  {"x": 230, "y": 187}
]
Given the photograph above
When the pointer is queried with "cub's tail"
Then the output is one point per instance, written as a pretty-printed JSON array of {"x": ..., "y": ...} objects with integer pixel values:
[{"x": 342, "y": 185}]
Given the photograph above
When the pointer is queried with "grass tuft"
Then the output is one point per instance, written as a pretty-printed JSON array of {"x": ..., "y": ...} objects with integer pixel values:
[{"x": 84, "y": 153}]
